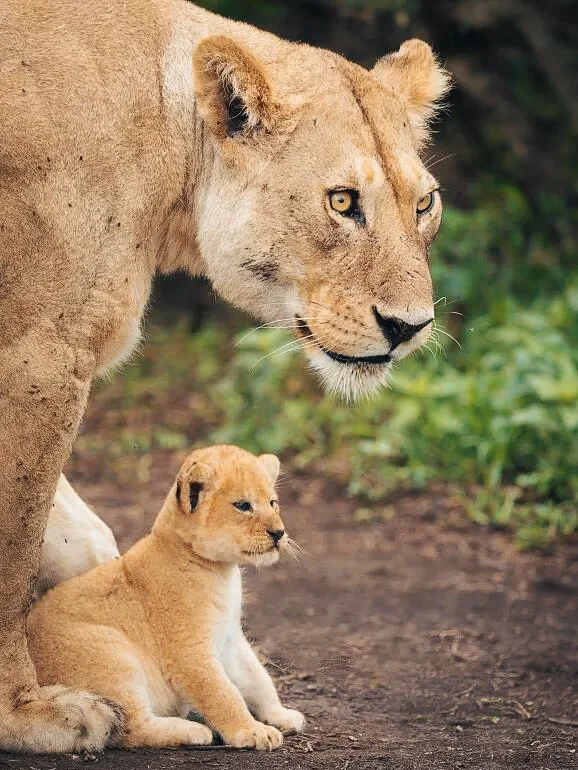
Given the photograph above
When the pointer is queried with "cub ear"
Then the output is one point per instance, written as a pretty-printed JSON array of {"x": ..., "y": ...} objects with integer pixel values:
[
  {"x": 232, "y": 90},
  {"x": 415, "y": 74},
  {"x": 272, "y": 466},
  {"x": 193, "y": 479}
]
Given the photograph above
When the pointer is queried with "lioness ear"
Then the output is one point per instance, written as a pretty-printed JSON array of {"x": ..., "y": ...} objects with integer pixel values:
[
  {"x": 233, "y": 92},
  {"x": 416, "y": 76},
  {"x": 192, "y": 480},
  {"x": 272, "y": 466}
]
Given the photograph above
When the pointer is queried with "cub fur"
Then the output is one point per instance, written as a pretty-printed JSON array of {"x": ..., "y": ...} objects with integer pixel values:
[{"x": 159, "y": 630}]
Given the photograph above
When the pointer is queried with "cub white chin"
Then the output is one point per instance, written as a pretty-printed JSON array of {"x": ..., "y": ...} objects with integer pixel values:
[{"x": 263, "y": 559}]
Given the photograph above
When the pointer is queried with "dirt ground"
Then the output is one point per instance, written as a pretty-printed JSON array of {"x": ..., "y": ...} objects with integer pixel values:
[{"x": 413, "y": 643}]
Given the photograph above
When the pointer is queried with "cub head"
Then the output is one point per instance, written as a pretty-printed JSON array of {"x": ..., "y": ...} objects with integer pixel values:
[
  {"x": 224, "y": 507},
  {"x": 317, "y": 212}
]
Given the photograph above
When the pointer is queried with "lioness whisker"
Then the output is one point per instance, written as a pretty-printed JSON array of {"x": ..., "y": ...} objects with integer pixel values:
[
  {"x": 288, "y": 323},
  {"x": 440, "y": 160},
  {"x": 289, "y": 347},
  {"x": 447, "y": 334},
  {"x": 446, "y": 301},
  {"x": 435, "y": 340},
  {"x": 431, "y": 350}
]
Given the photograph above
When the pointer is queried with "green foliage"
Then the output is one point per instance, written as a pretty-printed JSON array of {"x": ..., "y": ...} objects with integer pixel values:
[
  {"x": 498, "y": 417},
  {"x": 500, "y": 246}
]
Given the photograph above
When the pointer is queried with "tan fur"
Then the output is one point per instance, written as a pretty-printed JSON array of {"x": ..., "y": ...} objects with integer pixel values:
[
  {"x": 114, "y": 163},
  {"x": 413, "y": 73},
  {"x": 158, "y": 631}
]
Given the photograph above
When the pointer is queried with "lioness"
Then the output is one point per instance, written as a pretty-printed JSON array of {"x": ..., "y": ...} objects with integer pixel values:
[
  {"x": 158, "y": 631},
  {"x": 149, "y": 135}
]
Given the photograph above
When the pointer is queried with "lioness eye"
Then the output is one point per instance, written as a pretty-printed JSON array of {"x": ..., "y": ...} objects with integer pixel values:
[
  {"x": 426, "y": 204},
  {"x": 243, "y": 505},
  {"x": 346, "y": 203},
  {"x": 274, "y": 503},
  {"x": 341, "y": 201}
]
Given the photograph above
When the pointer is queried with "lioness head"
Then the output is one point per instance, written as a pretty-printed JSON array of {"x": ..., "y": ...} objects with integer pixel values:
[
  {"x": 224, "y": 507},
  {"x": 318, "y": 212}
]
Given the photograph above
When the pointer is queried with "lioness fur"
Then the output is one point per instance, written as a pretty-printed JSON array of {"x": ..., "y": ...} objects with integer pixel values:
[
  {"x": 158, "y": 631},
  {"x": 150, "y": 135}
]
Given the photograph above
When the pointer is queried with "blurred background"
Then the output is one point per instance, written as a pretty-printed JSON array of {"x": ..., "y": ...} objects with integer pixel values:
[{"x": 487, "y": 416}]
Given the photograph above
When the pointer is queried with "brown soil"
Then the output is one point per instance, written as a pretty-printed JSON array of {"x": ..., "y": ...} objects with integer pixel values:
[{"x": 414, "y": 643}]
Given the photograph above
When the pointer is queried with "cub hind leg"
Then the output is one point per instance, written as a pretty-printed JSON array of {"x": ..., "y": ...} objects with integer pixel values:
[{"x": 104, "y": 661}]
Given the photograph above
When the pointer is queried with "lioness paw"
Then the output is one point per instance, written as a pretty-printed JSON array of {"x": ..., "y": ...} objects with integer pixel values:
[
  {"x": 289, "y": 721},
  {"x": 62, "y": 721},
  {"x": 259, "y": 736}
]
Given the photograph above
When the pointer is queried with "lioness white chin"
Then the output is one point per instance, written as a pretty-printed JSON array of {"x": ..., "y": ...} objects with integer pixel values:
[{"x": 145, "y": 135}]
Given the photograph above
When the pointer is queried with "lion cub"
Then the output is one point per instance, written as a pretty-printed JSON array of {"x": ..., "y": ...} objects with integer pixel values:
[{"x": 159, "y": 629}]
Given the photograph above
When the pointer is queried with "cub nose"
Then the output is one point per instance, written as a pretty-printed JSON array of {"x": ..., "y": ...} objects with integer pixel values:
[
  {"x": 276, "y": 534},
  {"x": 397, "y": 331}
]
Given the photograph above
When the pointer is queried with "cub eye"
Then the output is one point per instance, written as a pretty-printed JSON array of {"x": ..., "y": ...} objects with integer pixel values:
[
  {"x": 243, "y": 505},
  {"x": 274, "y": 503},
  {"x": 346, "y": 203},
  {"x": 426, "y": 203}
]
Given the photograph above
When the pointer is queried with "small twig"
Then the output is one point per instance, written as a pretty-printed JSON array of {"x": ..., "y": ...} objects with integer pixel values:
[
  {"x": 565, "y": 722},
  {"x": 521, "y": 710},
  {"x": 283, "y": 669}
]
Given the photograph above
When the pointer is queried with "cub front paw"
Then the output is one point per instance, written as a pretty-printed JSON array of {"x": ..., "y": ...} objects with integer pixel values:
[
  {"x": 199, "y": 735},
  {"x": 259, "y": 736},
  {"x": 289, "y": 721}
]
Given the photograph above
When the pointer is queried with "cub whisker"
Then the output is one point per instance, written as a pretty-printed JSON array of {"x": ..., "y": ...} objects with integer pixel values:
[{"x": 293, "y": 549}]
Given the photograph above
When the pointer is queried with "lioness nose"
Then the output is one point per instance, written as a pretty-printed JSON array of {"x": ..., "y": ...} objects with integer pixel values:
[
  {"x": 397, "y": 331},
  {"x": 276, "y": 534}
]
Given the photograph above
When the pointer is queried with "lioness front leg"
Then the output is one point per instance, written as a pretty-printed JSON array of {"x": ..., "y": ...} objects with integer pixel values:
[
  {"x": 221, "y": 704},
  {"x": 44, "y": 383},
  {"x": 258, "y": 689}
]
